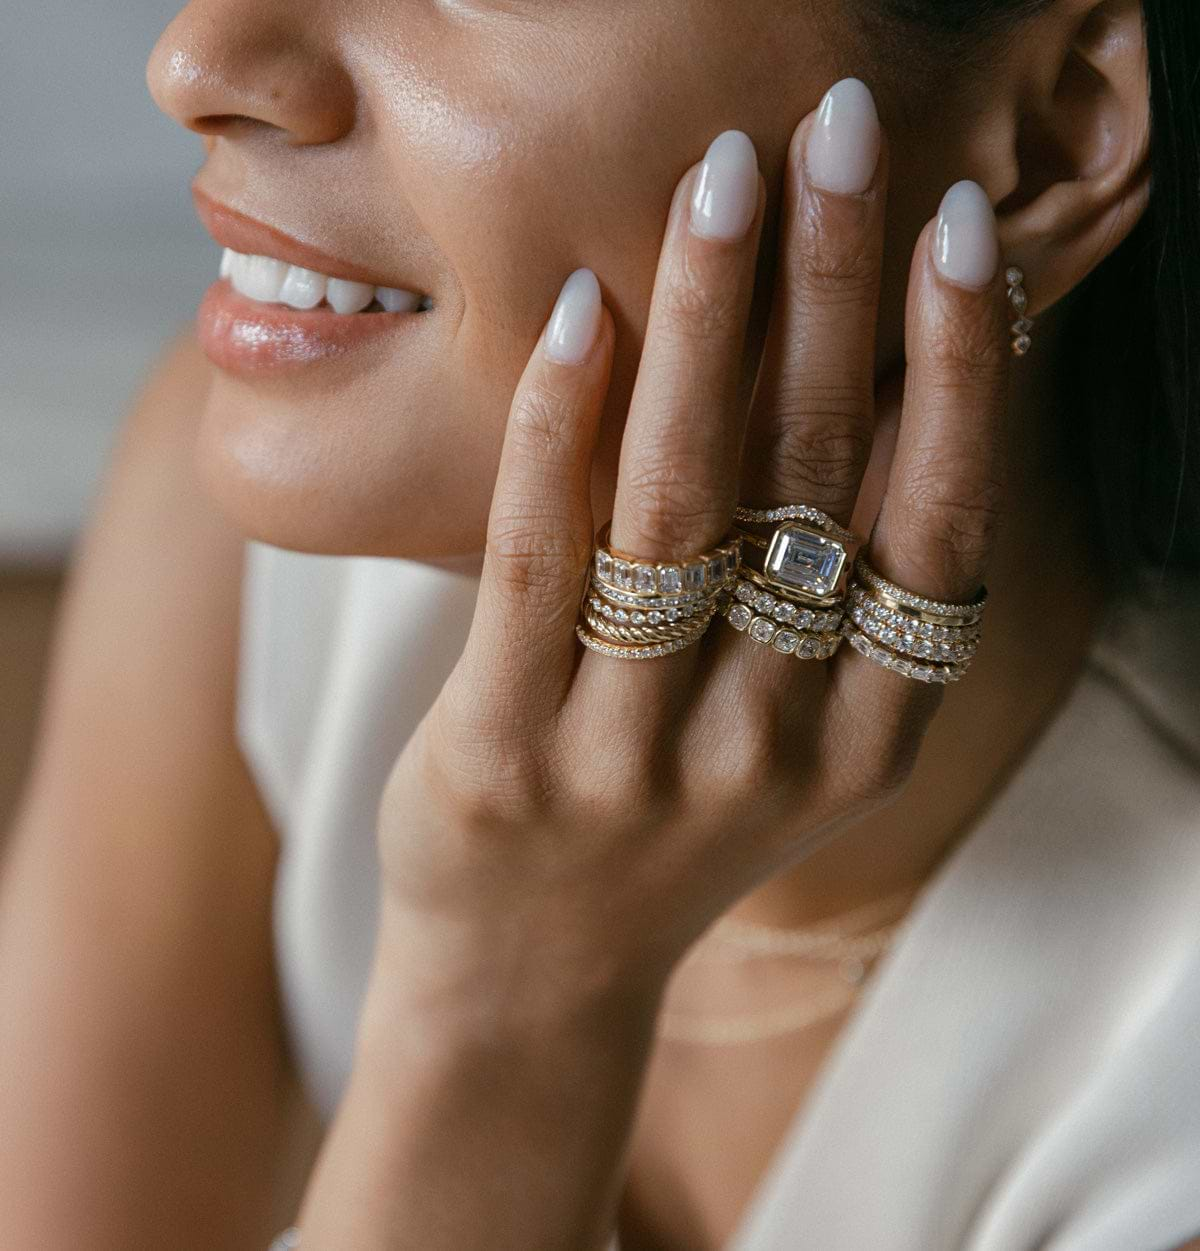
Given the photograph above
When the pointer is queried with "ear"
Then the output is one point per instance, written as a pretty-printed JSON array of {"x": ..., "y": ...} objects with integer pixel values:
[{"x": 1081, "y": 117}]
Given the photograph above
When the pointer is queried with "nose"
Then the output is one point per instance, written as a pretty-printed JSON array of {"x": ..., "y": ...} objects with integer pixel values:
[{"x": 225, "y": 67}]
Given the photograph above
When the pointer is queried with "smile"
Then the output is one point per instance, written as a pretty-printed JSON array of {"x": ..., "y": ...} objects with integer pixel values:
[{"x": 268, "y": 280}]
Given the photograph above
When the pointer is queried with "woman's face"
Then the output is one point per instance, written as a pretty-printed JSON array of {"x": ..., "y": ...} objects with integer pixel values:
[{"x": 475, "y": 152}]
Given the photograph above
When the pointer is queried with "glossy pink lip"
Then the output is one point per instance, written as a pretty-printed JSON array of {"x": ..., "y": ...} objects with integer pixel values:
[
  {"x": 235, "y": 230},
  {"x": 249, "y": 337},
  {"x": 245, "y": 336}
]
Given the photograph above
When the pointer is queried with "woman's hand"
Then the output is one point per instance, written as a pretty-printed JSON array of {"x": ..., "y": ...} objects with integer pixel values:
[{"x": 579, "y": 820}]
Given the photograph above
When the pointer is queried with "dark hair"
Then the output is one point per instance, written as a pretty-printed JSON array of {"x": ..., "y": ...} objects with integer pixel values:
[{"x": 1134, "y": 337}]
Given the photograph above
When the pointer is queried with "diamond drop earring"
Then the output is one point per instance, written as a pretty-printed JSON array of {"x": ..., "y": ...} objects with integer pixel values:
[{"x": 1015, "y": 277}]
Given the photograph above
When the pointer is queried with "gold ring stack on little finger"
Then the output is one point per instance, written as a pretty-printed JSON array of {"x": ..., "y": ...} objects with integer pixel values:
[
  {"x": 792, "y": 603},
  {"x": 924, "y": 639},
  {"x": 640, "y": 609}
]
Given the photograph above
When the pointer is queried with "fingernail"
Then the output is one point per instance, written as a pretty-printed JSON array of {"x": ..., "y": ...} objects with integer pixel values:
[
  {"x": 966, "y": 249},
  {"x": 843, "y": 145},
  {"x": 571, "y": 331},
  {"x": 726, "y": 193}
]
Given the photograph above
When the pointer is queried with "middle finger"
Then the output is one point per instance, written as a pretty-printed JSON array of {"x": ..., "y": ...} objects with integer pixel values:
[{"x": 812, "y": 421}]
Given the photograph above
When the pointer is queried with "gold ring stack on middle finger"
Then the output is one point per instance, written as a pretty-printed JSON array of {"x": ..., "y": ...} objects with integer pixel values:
[
  {"x": 792, "y": 603},
  {"x": 637, "y": 609}
]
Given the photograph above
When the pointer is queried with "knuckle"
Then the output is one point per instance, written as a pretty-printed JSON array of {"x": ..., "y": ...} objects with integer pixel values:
[
  {"x": 833, "y": 260},
  {"x": 671, "y": 504},
  {"x": 532, "y": 554},
  {"x": 542, "y": 421},
  {"x": 971, "y": 348},
  {"x": 825, "y": 450},
  {"x": 953, "y": 523},
  {"x": 694, "y": 309}
]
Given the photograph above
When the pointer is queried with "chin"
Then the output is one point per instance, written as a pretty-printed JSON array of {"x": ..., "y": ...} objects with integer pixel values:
[{"x": 345, "y": 477}]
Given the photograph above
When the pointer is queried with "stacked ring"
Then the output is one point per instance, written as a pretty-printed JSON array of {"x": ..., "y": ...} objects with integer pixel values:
[
  {"x": 920, "y": 638},
  {"x": 790, "y": 625},
  {"x": 805, "y": 555},
  {"x": 637, "y": 609}
]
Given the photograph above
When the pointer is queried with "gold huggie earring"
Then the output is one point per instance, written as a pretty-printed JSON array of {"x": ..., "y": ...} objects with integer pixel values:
[{"x": 1015, "y": 277}]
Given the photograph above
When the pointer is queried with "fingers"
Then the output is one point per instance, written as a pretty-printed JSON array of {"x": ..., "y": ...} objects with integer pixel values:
[
  {"x": 811, "y": 424},
  {"x": 682, "y": 442},
  {"x": 940, "y": 513},
  {"x": 938, "y": 520},
  {"x": 522, "y": 649}
]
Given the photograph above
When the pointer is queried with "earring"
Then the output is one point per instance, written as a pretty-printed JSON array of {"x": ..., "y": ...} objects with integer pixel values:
[{"x": 1015, "y": 277}]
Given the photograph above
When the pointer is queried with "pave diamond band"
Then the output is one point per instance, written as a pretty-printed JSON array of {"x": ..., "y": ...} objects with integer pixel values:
[
  {"x": 924, "y": 639},
  {"x": 965, "y": 614},
  {"x": 796, "y": 512}
]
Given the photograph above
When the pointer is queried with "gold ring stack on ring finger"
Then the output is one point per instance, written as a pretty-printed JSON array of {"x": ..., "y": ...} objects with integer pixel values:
[
  {"x": 639, "y": 609},
  {"x": 920, "y": 638}
]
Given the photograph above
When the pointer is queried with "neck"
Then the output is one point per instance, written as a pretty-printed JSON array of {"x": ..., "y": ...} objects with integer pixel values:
[{"x": 1046, "y": 594}]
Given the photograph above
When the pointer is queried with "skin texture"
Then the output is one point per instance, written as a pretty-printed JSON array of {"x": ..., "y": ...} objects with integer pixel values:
[{"x": 464, "y": 150}]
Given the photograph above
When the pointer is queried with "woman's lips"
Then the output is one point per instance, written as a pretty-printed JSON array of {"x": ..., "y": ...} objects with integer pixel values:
[{"x": 246, "y": 336}]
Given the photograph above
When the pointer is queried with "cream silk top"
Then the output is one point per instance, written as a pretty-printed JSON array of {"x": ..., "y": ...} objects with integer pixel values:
[{"x": 1021, "y": 1072}]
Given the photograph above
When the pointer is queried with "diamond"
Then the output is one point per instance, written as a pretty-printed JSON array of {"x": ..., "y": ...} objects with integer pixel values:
[
  {"x": 693, "y": 577},
  {"x": 925, "y": 649},
  {"x": 654, "y": 617},
  {"x": 716, "y": 571},
  {"x": 910, "y": 641},
  {"x": 785, "y": 641},
  {"x": 672, "y": 614},
  {"x": 608, "y": 611},
  {"x": 645, "y": 578},
  {"x": 1023, "y": 325},
  {"x": 762, "y": 629},
  {"x": 784, "y": 611},
  {"x": 620, "y": 615},
  {"x": 1014, "y": 276},
  {"x": 807, "y": 649},
  {"x": 604, "y": 566},
  {"x": 1020, "y": 300},
  {"x": 746, "y": 592},
  {"x": 597, "y": 605},
  {"x": 670, "y": 579},
  {"x": 623, "y": 574},
  {"x": 902, "y": 666},
  {"x": 739, "y": 616},
  {"x": 638, "y": 618},
  {"x": 1022, "y": 344},
  {"x": 764, "y": 602},
  {"x": 804, "y": 619},
  {"x": 890, "y": 637},
  {"x": 805, "y": 559},
  {"x": 923, "y": 673}
]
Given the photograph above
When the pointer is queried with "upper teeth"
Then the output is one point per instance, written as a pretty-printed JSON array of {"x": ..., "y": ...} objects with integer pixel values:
[{"x": 276, "y": 282}]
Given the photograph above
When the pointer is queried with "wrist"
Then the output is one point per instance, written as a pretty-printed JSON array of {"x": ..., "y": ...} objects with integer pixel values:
[{"x": 468, "y": 975}]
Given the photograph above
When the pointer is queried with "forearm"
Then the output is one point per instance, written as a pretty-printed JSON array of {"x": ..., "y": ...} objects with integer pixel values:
[{"x": 487, "y": 1108}]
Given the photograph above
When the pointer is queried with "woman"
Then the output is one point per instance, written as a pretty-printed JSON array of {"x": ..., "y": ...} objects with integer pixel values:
[{"x": 578, "y": 922}]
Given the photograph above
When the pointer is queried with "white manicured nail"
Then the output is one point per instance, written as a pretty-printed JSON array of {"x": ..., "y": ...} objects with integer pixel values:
[
  {"x": 726, "y": 192},
  {"x": 843, "y": 145},
  {"x": 966, "y": 249},
  {"x": 575, "y": 321}
]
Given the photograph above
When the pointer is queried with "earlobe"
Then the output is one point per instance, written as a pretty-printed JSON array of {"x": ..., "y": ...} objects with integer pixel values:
[{"x": 1082, "y": 148}]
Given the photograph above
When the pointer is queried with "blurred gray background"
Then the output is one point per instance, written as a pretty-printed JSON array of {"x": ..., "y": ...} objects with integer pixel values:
[{"x": 103, "y": 256}]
